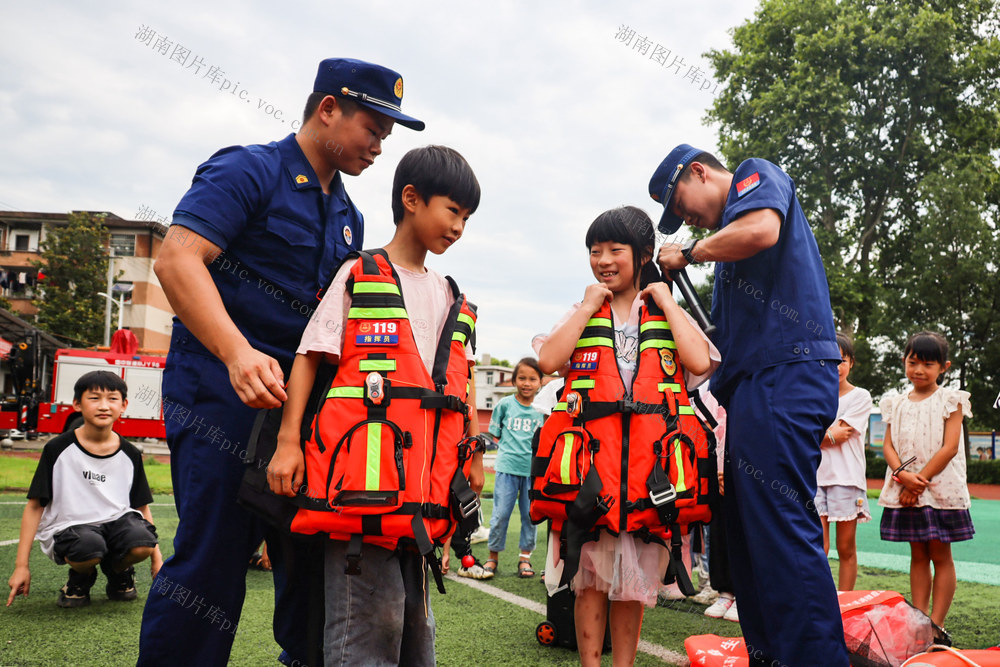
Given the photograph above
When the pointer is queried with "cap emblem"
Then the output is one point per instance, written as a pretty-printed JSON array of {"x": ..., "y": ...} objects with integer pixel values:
[{"x": 398, "y": 88}]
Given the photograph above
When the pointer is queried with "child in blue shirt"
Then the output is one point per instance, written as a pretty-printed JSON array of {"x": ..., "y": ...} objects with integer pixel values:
[{"x": 514, "y": 423}]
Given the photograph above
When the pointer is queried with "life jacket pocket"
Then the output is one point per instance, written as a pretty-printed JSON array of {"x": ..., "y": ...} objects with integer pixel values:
[
  {"x": 677, "y": 455},
  {"x": 568, "y": 463},
  {"x": 367, "y": 474}
]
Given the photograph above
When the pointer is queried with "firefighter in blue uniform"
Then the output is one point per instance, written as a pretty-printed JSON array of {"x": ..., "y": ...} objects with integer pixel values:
[
  {"x": 261, "y": 230},
  {"x": 778, "y": 383}
]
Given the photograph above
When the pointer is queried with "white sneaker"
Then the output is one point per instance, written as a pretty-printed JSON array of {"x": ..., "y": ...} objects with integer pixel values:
[
  {"x": 477, "y": 571},
  {"x": 720, "y": 607},
  {"x": 731, "y": 614},
  {"x": 480, "y": 534},
  {"x": 708, "y": 595}
]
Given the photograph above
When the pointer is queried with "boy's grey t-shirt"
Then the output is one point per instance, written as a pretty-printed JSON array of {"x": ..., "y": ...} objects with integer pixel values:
[{"x": 76, "y": 487}]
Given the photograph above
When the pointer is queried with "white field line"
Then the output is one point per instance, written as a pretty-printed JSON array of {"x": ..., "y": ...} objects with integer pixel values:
[{"x": 655, "y": 650}]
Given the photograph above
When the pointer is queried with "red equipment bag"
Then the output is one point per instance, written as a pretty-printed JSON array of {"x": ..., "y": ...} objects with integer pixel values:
[
  {"x": 945, "y": 656},
  {"x": 881, "y": 629}
]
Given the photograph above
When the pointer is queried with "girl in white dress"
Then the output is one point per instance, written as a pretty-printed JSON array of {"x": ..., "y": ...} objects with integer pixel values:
[{"x": 925, "y": 496}]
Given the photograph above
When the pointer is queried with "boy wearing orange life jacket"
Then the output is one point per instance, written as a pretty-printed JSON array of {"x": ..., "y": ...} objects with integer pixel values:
[{"x": 379, "y": 315}]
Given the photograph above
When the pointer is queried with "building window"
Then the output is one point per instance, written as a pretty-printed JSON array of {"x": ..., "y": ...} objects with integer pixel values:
[
  {"x": 21, "y": 242},
  {"x": 489, "y": 402},
  {"x": 123, "y": 245},
  {"x": 489, "y": 377}
]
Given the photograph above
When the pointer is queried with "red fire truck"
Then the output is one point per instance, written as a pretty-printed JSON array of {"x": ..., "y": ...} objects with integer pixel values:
[{"x": 142, "y": 374}]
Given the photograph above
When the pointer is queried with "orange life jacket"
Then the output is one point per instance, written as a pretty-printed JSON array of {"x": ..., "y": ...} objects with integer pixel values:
[
  {"x": 387, "y": 456},
  {"x": 640, "y": 465}
]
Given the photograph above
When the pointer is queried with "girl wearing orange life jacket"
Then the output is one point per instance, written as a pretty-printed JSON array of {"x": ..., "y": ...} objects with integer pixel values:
[{"x": 622, "y": 569}]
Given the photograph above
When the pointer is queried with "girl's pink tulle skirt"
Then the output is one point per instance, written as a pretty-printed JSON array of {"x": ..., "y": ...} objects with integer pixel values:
[{"x": 626, "y": 568}]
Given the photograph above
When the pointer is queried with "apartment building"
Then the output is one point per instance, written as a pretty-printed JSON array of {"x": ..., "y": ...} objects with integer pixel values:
[{"x": 133, "y": 246}]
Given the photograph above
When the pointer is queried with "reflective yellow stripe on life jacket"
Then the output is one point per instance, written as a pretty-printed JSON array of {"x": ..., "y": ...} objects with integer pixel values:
[{"x": 372, "y": 467}]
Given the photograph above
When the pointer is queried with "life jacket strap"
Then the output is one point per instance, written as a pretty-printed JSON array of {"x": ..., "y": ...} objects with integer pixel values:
[
  {"x": 598, "y": 409},
  {"x": 431, "y": 399},
  {"x": 695, "y": 396},
  {"x": 354, "y": 555},
  {"x": 589, "y": 505},
  {"x": 426, "y": 549},
  {"x": 675, "y": 570}
]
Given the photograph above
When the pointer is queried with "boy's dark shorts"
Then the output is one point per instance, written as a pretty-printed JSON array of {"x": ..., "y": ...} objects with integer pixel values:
[{"x": 107, "y": 541}]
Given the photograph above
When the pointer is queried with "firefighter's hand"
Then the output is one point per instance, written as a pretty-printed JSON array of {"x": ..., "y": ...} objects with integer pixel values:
[
  {"x": 670, "y": 257},
  {"x": 477, "y": 477},
  {"x": 554, "y": 535},
  {"x": 20, "y": 584},
  {"x": 257, "y": 379},
  {"x": 722, "y": 484},
  {"x": 287, "y": 467}
]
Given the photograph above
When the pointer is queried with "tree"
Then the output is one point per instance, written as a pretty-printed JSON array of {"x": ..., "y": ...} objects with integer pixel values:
[
  {"x": 885, "y": 113},
  {"x": 75, "y": 263}
]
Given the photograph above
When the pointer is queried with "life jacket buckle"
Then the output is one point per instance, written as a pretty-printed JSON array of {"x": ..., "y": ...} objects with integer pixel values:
[
  {"x": 663, "y": 496},
  {"x": 468, "y": 507},
  {"x": 604, "y": 503},
  {"x": 625, "y": 406},
  {"x": 455, "y": 404},
  {"x": 353, "y": 555}
]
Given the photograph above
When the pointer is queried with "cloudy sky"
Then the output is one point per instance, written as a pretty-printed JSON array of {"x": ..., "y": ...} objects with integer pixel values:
[{"x": 559, "y": 118}]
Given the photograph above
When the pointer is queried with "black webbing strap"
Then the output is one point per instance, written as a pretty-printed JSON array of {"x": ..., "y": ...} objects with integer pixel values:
[
  {"x": 354, "y": 555},
  {"x": 695, "y": 396},
  {"x": 675, "y": 569},
  {"x": 439, "y": 371},
  {"x": 431, "y": 399},
  {"x": 426, "y": 549},
  {"x": 598, "y": 409},
  {"x": 464, "y": 503},
  {"x": 582, "y": 515},
  {"x": 471, "y": 336},
  {"x": 662, "y": 494},
  {"x": 463, "y": 500}
]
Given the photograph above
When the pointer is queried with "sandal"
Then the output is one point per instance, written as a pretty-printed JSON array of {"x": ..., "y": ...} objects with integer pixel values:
[
  {"x": 492, "y": 569},
  {"x": 524, "y": 569},
  {"x": 257, "y": 563}
]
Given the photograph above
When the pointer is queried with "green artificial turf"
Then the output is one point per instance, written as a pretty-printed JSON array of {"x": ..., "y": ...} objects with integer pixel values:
[{"x": 473, "y": 626}]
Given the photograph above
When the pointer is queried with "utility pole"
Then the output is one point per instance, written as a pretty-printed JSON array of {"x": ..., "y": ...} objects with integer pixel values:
[{"x": 107, "y": 306}]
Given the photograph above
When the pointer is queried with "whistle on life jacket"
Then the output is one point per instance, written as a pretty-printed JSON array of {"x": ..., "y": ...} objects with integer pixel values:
[{"x": 374, "y": 388}]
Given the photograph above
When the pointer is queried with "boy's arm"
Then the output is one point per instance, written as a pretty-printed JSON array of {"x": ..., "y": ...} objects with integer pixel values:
[
  {"x": 20, "y": 580},
  {"x": 692, "y": 348},
  {"x": 156, "y": 559},
  {"x": 287, "y": 466},
  {"x": 477, "y": 476}
]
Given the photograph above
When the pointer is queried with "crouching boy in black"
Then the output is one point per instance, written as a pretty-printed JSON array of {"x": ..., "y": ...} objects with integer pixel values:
[{"x": 88, "y": 503}]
